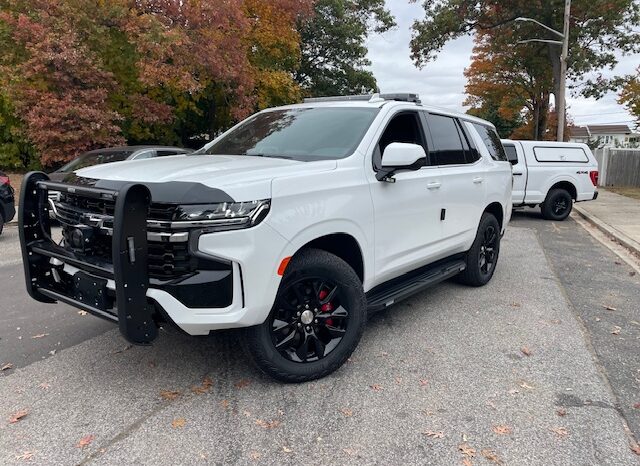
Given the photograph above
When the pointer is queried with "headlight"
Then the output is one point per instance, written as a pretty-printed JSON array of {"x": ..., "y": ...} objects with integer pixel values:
[{"x": 220, "y": 216}]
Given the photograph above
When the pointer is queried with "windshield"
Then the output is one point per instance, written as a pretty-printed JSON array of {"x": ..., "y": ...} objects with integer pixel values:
[
  {"x": 95, "y": 158},
  {"x": 303, "y": 134}
]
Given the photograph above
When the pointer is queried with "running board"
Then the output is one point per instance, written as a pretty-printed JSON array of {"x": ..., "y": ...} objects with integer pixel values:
[{"x": 411, "y": 283}]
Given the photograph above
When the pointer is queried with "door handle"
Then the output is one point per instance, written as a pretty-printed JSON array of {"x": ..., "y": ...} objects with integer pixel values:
[
  {"x": 478, "y": 179},
  {"x": 433, "y": 185},
  {"x": 517, "y": 173}
]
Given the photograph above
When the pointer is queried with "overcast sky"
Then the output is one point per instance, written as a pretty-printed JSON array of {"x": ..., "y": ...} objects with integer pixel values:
[{"x": 441, "y": 83}]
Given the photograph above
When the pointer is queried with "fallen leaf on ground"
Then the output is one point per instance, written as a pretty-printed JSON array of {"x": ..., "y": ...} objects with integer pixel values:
[
  {"x": 178, "y": 423},
  {"x": 636, "y": 406},
  {"x": 204, "y": 387},
  {"x": 502, "y": 430},
  {"x": 432, "y": 434},
  {"x": 44, "y": 386},
  {"x": 560, "y": 431},
  {"x": 561, "y": 412},
  {"x": 83, "y": 313},
  {"x": 128, "y": 347},
  {"x": 170, "y": 394},
  {"x": 524, "y": 384},
  {"x": 287, "y": 450},
  {"x": 526, "y": 351},
  {"x": 491, "y": 455},
  {"x": 514, "y": 304},
  {"x": 6, "y": 367},
  {"x": 398, "y": 380},
  {"x": 424, "y": 382},
  {"x": 346, "y": 412},
  {"x": 26, "y": 455},
  {"x": 635, "y": 448},
  {"x": 350, "y": 451},
  {"x": 267, "y": 424},
  {"x": 467, "y": 462},
  {"x": 609, "y": 308},
  {"x": 467, "y": 450},
  {"x": 384, "y": 353},
  {"x": 39, "y": 335},
  {"x": 84, "y": 441},
  {"x": 242, "y": 383},
  {"x": 224, "y": 403},
  {"x": 376, "y": 387},
  {"x": 255, "y": 455},
  {"x": 616, "y": 330},
  {"x": 18, "y": 416}
]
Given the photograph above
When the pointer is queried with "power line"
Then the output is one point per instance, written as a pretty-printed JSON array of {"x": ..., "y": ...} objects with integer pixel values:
[{"x": 596, "y": 114}]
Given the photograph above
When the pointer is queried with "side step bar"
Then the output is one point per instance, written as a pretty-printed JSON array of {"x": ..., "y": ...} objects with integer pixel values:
[{"x": 411, "y": 283}]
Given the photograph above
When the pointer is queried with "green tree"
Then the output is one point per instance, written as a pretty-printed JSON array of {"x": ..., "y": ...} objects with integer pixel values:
[
  {"x": 599, "y": 30},
  {"x": 334, "y": 57}
]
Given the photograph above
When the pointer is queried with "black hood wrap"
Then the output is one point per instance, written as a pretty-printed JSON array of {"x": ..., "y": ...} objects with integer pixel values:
[{"x": 170, "y": 192}]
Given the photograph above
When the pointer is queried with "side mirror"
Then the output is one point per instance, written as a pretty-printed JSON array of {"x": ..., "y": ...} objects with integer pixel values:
[
  {"x": 398, "y": 156},
  {"x": 402, "y": 155}
]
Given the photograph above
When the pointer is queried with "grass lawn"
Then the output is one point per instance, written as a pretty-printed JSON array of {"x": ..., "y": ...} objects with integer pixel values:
[{"x": 629, "y": 192}]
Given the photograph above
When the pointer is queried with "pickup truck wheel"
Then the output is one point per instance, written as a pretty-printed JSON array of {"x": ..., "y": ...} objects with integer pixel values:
[
  {"x": 316, "y": 322},
  {"x": 557, "y": 206},
  {"x": 483, "y": 255}
]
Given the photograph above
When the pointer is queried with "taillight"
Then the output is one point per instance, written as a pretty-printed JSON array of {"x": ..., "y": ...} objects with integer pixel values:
[
  {"x": 5, "y": 180},
  {"x": 594, "y": 177}
]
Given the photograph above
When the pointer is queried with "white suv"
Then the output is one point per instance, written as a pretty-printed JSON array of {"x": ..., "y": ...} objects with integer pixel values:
[{"x": 293, "y": 225}]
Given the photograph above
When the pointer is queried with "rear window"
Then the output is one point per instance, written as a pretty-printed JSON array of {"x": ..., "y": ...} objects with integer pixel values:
[{"x": 492, "y": 141}]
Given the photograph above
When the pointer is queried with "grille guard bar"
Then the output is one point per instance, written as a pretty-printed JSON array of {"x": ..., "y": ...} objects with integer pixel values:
[{"x": 135, "y": 316}]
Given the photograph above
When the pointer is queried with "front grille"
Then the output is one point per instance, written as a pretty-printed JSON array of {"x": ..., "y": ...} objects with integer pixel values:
[{"x": 166, "y": 260}]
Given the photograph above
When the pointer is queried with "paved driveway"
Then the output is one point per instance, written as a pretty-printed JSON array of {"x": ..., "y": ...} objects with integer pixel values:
[{"x": 499, "y": 374}]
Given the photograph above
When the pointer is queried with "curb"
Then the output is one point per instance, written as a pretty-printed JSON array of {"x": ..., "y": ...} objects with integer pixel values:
[{"x": 608, "y": 230}]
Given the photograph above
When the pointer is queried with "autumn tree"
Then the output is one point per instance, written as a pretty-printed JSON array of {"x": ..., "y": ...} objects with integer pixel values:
[
  {"x": 599, "y": 30},
  {"x": 334, "y": 55},
  {"x": 630, "y": 95}
]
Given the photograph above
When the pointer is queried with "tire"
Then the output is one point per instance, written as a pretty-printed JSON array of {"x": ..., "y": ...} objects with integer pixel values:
[
  {"x": 310, "y": 349},
  {"x": 1, "y": 222},
  {"x": 557, "y": 206},
  {"x": 483, "y": 256}
]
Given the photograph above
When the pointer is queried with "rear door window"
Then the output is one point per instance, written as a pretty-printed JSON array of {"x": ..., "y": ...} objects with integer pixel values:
[{"x": 448, "y": 148}]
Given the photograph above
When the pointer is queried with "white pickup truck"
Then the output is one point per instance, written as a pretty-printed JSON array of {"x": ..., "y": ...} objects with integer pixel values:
[{"x": 552, "y": 175}]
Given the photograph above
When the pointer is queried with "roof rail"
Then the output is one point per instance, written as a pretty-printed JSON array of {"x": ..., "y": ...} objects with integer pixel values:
[
  {"x": 401, "y": 97},
  {"x": 338, "y": 98}
]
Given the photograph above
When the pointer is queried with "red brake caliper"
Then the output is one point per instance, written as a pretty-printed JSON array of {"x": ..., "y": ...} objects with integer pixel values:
[{"x": 326, "y": 307}]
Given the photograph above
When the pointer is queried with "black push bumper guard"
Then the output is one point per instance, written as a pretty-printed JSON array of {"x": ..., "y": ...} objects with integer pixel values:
[{"x": 133, "y": 313}]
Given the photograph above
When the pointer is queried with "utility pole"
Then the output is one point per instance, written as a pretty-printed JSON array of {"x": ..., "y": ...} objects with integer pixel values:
[
  {"x": 561, "y": 106},
  {"x": 560, "y": 98}
]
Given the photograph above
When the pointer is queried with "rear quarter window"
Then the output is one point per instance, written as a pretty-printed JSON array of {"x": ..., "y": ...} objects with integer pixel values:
[{"x": 491, "y": 141}]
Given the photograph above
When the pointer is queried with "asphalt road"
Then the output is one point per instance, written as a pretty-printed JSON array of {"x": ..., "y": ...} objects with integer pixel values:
[
  {"x": 518, "y": 372},
  {"x": 30, "y": 331}
]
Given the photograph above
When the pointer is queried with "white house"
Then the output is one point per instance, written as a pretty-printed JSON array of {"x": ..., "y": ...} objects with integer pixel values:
[{"x": 606, "y": 135}]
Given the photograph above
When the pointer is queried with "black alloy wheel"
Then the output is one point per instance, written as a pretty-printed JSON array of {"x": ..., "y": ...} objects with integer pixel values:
[
  {"x": 315, "y": 323},
  {"x": 309, "y": 320},
  {"x": 558, "y": 204},
  {"x": 487, "y": 257},
  {"x": 483, "y": 256}
]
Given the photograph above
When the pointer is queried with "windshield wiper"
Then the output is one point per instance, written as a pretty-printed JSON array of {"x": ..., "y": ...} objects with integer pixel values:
[{"x": 273, "y": 156}]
